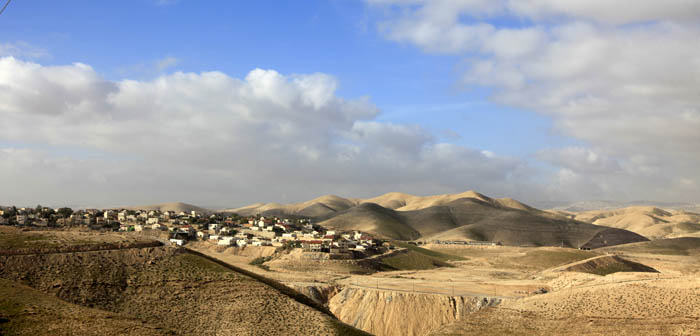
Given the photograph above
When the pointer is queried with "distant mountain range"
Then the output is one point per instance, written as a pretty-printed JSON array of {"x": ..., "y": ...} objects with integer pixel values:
[
  {"x": 608, "y": 205},
  {"x": 649, "y": 221},
  {"x": 466, "y": 216},
  {"x": 175, "y": 206}
]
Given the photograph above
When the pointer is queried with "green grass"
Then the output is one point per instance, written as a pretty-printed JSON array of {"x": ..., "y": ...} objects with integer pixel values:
[{"x": 429, "y": 253}]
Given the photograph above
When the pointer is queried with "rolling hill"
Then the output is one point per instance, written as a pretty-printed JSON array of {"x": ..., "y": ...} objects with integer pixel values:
[
  {"x": 175, "y": 206},
  {"x": 465, "y": 216},
  {"x": 648, "y": 221},
  {"x": 321, "y": 206}
]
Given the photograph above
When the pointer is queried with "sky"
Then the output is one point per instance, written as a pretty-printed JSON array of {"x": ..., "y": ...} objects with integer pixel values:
[{"x": 227, "y": 103}]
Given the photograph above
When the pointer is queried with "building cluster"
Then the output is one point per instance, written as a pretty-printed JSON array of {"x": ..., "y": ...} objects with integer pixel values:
[
  {"x": 464, "y": 242},
  {"x": 278, "y": 232},
  {"x": 223, "y": 229}
]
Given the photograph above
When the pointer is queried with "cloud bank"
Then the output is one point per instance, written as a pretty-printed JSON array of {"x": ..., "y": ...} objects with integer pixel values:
[
  {"x": 621, "y": 77},
  {"x": 70, "y": 135}
]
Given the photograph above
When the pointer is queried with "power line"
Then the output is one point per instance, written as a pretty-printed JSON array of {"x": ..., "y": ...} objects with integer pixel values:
[{"x": 3, "y": 7}]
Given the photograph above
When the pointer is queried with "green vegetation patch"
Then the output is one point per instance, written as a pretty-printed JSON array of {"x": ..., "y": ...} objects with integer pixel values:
[
  {"x": 429, "y": 253},
  {"x": 412, "y": 260},
  {"x": 260, "y": 262}
]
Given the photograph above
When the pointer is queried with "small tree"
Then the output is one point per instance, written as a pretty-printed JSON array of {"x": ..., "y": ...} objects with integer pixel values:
[{"x": 65, "y": 212}]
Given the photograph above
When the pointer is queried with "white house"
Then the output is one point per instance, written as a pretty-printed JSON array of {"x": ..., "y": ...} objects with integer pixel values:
[
  {"x": 21, "y": 219},
  {"x": 178, "y": 242},
  {"x": 226, "y": 241},
  {"x": 152, "y": 220}
]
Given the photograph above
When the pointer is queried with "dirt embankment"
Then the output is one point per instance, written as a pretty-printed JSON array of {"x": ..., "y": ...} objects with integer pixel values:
[
  {"x": 320, "y": 293},
  {"x": 246, "y": 251},
  {"x": 396, "y": 313},
  {"x": 298, "y": 260}
]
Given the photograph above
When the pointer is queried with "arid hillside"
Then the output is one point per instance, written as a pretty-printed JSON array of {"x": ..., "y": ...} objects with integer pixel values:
[
  {"x": 476, "y": 220},
  {"x": 650, "y": 222},
  {"x": 321, "y": 206},
  {"x": 166, "y": 288},
  {"x": 175, "y": 206},
  {"x": 331, "y": 204},
  {"x": 27, "y": 311},
  {"x": 465, "y": 216}
]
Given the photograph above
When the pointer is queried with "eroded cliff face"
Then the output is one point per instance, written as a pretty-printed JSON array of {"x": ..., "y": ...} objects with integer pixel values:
[
  {"x": 387, "y": 313},
  {"x": 320, "y": 293}
]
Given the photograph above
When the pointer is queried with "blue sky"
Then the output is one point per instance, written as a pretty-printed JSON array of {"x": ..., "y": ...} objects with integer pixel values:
[
  {"x": 125, "y": 39},
  {"x": 512, "y": 83}
]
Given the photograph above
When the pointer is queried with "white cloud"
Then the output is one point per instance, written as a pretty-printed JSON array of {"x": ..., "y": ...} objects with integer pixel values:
[
  {"x": 619, "y": 76},
  {"x": 71, "y": 136}
]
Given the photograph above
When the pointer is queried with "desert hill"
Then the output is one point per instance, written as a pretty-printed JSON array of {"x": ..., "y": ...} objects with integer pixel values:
[
  {"x": 330, "y": 204},
  {"x": 474, "y": 219},
  {"x": 592, "y": 205},
  {"x": 169, "y": 290},
  {"x": 651, "y": 222},
  {"x": 27, "y": 311},
  {"x": 175, "y": 206},
  {"x": 321, "y": 206},
  {"x": 685, "y": 246},
  {"x": 464, "y": 216}
]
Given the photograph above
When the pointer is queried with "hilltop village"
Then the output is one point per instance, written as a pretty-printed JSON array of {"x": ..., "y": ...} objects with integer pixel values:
[{"x": 222, "y": 229}]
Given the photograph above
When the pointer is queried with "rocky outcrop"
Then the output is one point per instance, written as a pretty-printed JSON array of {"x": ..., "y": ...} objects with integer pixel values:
[{"x": 388, "y": 313}]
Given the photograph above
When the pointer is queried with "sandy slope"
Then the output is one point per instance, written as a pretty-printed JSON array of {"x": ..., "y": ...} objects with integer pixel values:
[
  {"x": 650, "y": 222},
  {"x": 320, "y": 206},
  {"x": 329, "y": 204},
  {"x": 175, "y": 206}
]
